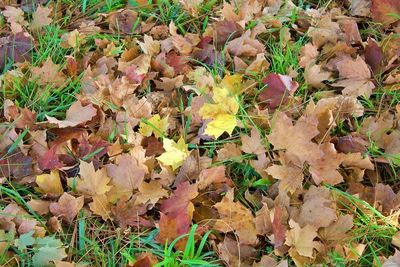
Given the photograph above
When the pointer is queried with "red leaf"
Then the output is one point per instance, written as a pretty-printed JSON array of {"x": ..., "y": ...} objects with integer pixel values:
[
  {"x": 373, "y": 55},
  {"x": 15, "y": 164},
  {"x": 279, "y": 87},
  {"x": 381, "y": 11},
  {"x": 49, "y": 161},
  {"x": 16, "y": 48},
  {"x": 278, "y": 228}
]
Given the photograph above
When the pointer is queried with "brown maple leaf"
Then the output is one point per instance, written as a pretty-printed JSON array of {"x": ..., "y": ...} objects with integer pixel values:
[
  {"x": 236, "y": 217},
  {"x": 252, "y": 144},
  {"x": 126, "y": 213},
  {"x": 76, "y": 115},
  {"x": 67, "y": 207},
  {"x": 48, "y": 73},
  {"x": 289, "y": 175},
  {"x": 302, "y": 239},
  {"x": 355, "y": 77},
  {"x": 318, "y": 209},
  {"x": 126, "y": 176},
  {"x": 382, "y": 10},
  {"x": 296, "y": 139},
  {"x": 91, "y": 182},
  {"x": 324, "y": 168}
]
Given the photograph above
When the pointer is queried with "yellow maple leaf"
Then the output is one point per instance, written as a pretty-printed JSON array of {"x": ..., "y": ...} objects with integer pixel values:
[
  {"x": 154, "y": 125},
  {"x": 50, "y": 183},
  {"x": 222, "y": 112},
  {"x": 232, "y": 82},
  {"x": 175, "y": 153},
  {"x": 91, "y": 182}
]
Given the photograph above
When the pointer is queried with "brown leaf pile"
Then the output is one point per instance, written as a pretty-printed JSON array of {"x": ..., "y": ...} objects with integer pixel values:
[{"x": 154, "y": 135}]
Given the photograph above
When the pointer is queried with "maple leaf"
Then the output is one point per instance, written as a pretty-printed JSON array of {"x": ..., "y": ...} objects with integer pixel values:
[
  {"x": 49, "y": 160},
  {"x": 314, "y": 75},
  {"x": 295, "y": 139},
  {"x": 48, "y": 73},
  {"x": 360, "y": 8},
  {"x": 245, "y": 46},
  {"x": 356, "y": 77},
  {"x": 40, "y": 17},
  {"x": 126, "y": 213},
  {"x": 126, "y": 176},
  {"x": 252, "y": 144},
  {"x": 374, "y": 55},
  {"x": 67, "y": 207},
  {"x": 100, "y": 206},
  {"x": 180, "y": 201},
  {"x": 278, "y": 88},
  {"x": 225, "y": 31},
  {"x": 50, "y": 183},
  {"x": 222, "y": 112},
  {"x": 325, "y": 168},
  {"x": 145, "y": 259},
  {"x": 278, "y": 227},
  {"x": 172, "y": 226},
  {"x": 213, "y": 175},
  {"x": 302, "y": 239},
  {"x": 308, "y": 54},
  {"x": 91, "y": 182},
  {"x": 290, "y": 176},
  {"x": 382, "y": 10},
  {"x": 154, "y": 125},
  {"x": 235, "y": 216},
  {"x": 175, "y": 153},
  {"x": 150, "y": 193},
  {"x": 149, "y": 46},
  {"x": 41, "y": 207},
  {"x": 337, "y": 231},
  {"x": 15, "y": 48},
  {"x": 318, "y": 209},
  {"x": 75, "y": 115}
]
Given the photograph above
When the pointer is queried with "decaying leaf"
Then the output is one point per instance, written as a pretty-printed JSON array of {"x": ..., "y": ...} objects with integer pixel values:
[
  {"x": 77, "y": 114},
  {"x": 67, "y": 207},
  {"x": 234, "y": 217}
]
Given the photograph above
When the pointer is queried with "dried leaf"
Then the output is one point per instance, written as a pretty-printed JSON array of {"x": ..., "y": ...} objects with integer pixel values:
[
  {"x": 67, "y": 207},
  {"x": 235, "y": 217},
  {"x": 76, "y": 115}
]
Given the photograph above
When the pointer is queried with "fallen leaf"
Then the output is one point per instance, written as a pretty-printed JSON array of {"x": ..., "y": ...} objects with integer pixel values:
[
  {"x": 252, "y": 144},
  {"x": 100, "y": 206},
  {"x": 50, "y": 183},
  {"x": 40, "y": 17},
  {"x": 325, "y": 168},
  {"x": 289, "y": 175},
  {"x": 222, "y": 113},
  {"x": 374, "y": 56},
  {"x": 279, "y": 87},
  {"x": 356, "y": 77},
  {"x": 48, "y": 74},
  {"x": 314, "y": 75},
  {"x": 225, "y": 31},
  {"x": 126, "y": 213},
  {"x": 15, "y": 48},
  {"x": 91, "y": 182},
  {"x": 75, "y": 115},
  {"x": 154, "y": 125},
  {"x": 302, "y": 239},
  {"x": 150, "y": 193},
  {"x": 318, "y": 209},
  {"x": 67, "y": 207},
  {"x": 381, "y": 11},
  {"x": 175, "y": 153},
  {"x": 296, "y": 139},
  {"x": 235, "y": 217}
]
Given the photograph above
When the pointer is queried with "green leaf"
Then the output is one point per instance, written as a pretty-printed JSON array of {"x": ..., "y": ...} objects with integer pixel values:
[
  {"x": 45, "y": 255},
  {"x": 49, "y": 241},
  {"x": 24, "y": 241}
]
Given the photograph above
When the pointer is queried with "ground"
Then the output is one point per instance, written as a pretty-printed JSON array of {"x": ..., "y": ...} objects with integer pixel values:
[{"x": 199, "y": 133}]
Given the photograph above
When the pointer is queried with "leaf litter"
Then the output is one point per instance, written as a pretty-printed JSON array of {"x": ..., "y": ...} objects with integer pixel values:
[{"x": 176, "y": 124}]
